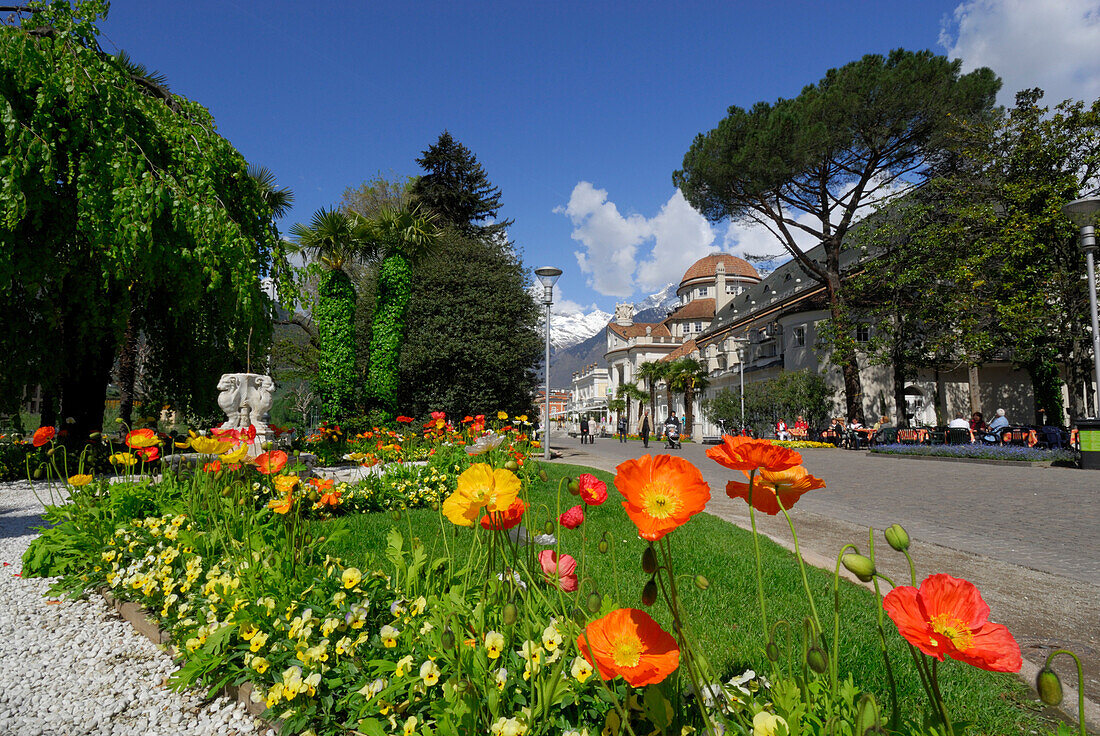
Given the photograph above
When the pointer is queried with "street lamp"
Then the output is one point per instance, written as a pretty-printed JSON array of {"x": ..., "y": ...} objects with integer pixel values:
[
  {"x": 1083, "y": 212},
  {"x": 547, "y": 276}
]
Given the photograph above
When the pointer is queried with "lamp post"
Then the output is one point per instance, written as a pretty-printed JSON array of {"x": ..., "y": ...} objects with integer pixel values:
[
  {"x": 547, "y": 276},
  {"x": 1083, "y": 212},
  {"x": 741, "y": 370}
]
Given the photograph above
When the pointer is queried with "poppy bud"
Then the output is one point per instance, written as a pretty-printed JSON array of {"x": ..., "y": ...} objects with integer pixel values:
[
  {"x": 51, "y": 451},
  {"x": 575, "y": 487},
  {"x": 649, "y": 560},
  {"x": 511, "y": 465},
  {"x": 226, "y": 491},
  {"x": 1049, "y": 686},
  {"x": 579, "y": 617},
  {"x": 649, "y": 593},
  {"x": 594, "y": 602},
  {"x": 447, "y": 639},
  {"x": 70, "y": 420},
  {"x": 95, "y": 435},
  {"x": 320, "y": 540},
  {"x": 307, "y": 540},
  {"x": 314, "y": 496},
  {"x": 860, "y": 566},
  {"x": 118, "y": 420},
  {"x": 897, "y": 537},
  {"x": 817, "y": 659},
  {"x": 603, "y": 547},
  {"x": 701, "y": 582},
  {"x": 543, "y": 476},
  {"x": 38, "y": 474},
  {"x": 548, "y": 527},
  {"x": 510, "y": 614},
  {"x": 772, "y": 650},
  {"x": 268, "y": 445},
  {"x": 396, "y": 514}
]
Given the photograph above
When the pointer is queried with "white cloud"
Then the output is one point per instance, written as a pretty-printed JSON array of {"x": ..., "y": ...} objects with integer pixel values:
[
  {"x": 560, "y": 305},
  {"x": 617, "y": 257},
  {"x": 1053, "y": 44}
]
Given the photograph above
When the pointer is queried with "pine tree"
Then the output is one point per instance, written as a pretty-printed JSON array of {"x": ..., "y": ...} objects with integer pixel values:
[{"x": 457, "y": 190}]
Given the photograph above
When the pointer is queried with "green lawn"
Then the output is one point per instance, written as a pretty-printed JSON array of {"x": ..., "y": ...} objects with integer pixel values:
[{"x": 725, "y": 618}]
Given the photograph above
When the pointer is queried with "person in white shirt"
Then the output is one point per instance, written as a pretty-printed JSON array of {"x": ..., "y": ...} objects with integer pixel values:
[
  {"x": 1000, "y": 421},
  {"x": 781, "y": 432},
  {"x": 959, "y": 422}
]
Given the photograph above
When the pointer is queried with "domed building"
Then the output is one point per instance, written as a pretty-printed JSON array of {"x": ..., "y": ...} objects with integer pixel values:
[{"x": 708, "y": 286}]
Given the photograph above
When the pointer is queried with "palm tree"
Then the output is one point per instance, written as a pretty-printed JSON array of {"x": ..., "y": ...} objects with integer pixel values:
[
  {"x": 397, "y": 237},
  {"x": 279, "y": 199},
  {"x": 335, "y": 239},
  {"x": 651, "y": 371},
  {"x": 617, "y": 406},
  {"x": 630, "y": 392},
  {"x": 688, "y": 375}
]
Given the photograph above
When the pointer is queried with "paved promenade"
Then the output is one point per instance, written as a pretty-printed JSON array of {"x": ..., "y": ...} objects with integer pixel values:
[{"x": 1028, "y": 537}]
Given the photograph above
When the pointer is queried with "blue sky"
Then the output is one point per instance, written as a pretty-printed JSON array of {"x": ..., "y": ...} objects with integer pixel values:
[{"x": 579, "y": 112}]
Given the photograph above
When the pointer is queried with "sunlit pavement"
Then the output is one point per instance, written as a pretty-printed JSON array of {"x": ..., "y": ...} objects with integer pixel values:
[{"x": 1028, "y": 537}]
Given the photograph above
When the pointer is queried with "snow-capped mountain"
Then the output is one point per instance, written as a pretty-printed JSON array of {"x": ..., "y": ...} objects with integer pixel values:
[
  {"x": 665, "y": 300},
  {"x": 566, "y": 330}
]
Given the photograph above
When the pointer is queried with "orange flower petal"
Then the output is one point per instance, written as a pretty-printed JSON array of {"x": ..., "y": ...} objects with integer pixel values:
[
  {"x": 746, "y": 453},
  {"x": 661, "y": 493}
]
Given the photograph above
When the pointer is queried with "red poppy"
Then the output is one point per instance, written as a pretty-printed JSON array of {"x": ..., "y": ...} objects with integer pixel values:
[
  {"x": 330, "y": 499},
  {"x": 140, "y": 438},
  {"x": 593, "y": 490},
  {"x": 224, "y": 434},
  {"x": 271, "y": 462},
  {"x": 467, "y": 419},
  {"x": 786, "y": 485},
  {"x": 506, "y": 519},
  {"x": 560, "y": 572},
  {"x": 628, "y": 643},
  {"x": 745, "y": 453},
  {"x": 148, "y": 454},
  {"x": 280, "y": 431},
  {"x": 947, "y": 616},
  {"x": 213, "y": 467},
  {"x": 439, "y": 415},
  {"x": 405, "y": 420},
  {"x": 573, "y": 517},
  {"x": 661, "y": 493},
  {"x": 42, "y": 435}
]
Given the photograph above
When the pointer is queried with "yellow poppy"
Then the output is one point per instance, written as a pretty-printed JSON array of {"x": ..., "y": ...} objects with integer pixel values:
[
  {"x": 79, "y": 481},
  {"x": 502, "y": 415},
  {"x": 236, "y": 455},
  {"x": 480, "y": 486},
  {"x": 209, "y": 445},
  {"x": 286, "y": 483}
]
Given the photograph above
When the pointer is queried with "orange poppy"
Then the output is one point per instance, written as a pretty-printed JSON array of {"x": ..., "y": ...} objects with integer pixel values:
[
  {"x": 661, "y": 493},
  {"x": 283, "y": 505},
  {"x": 745, "y": 453},
  {"x": 148, "y": 454},
  {"x": 270, "y": 462},
  {"x": 212, "y": 467},
  {"x": 42, "y": 435},
  {"x": 788, "y": 485},
  {"x": 506, "y": 519},
  {"x": 628, "y": 643},
  {"x": 330, "y": 499},
  {"x": 322, "y": 485},
  {"x": 947, "y": 616},
  {"x": 141, "y": 438}
]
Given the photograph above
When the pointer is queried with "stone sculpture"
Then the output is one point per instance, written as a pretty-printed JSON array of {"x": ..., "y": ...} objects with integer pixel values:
[{"x": 246, "y": 399}]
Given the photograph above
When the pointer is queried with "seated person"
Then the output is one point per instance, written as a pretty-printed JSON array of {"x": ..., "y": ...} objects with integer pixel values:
[
  {"x": 883, "y": 421},
  {"x": 977, "y": 422},
  {"x": 801, "y": 429},
  {"x": 781, "y": 432},
  {"x": 1000, "y": 421},
  {"x": 959, "y": 422}
]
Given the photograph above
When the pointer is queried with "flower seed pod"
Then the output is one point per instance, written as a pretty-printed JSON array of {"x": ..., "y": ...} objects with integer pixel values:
[
  {"x": 860, "y": 566},
  {"x": 649, "y": 593},
  {"x": 575, "y": 487},
  {"x": 447, "y": 639},
  {"x": 1049, "y": 686},
  {"x": 701, "y": 582},
  {"x": 817, "y": 659},
  {"x": 897, "y": 537},
  {"x": 594, "y": 602},
  {"x": 772, "y": 650},
  {"x": 510, "y": 614},
  {"x": 511, "y": 465},
  {"x": 649, "y": 560},
  {"x": 543, "y": 476}
]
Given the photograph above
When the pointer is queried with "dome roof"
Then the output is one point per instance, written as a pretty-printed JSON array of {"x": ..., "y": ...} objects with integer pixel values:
[{"x": 705, "y": 268}]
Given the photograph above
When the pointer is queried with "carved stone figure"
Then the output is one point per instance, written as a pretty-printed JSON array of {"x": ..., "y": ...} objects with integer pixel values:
[
  {"x": 246, "y": 398},
  {"x": 624, "y": 314}
]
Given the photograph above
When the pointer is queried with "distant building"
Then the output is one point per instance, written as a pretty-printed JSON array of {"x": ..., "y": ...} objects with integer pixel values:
[
  {"x": 559, "y": 400},
  {"x": 589, "y": 392}
]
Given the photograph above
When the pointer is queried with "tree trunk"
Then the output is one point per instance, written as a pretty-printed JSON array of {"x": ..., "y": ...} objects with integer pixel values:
[
  {"x": 941, "y": 400},
  {"x": 689, "y": 409},
  {"x": 844, "y": 353},
  {"x": 127, "y": 369},
  {"x": 973, "y": 383},
  {"x": 47, "y": 409},
  {"x": 1074, "y": 380},
  {"x": 668, "y": 401},
  {"x": 899, "y": 395}
]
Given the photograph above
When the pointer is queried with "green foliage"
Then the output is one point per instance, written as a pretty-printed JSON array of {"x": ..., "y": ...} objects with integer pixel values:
[
  {"x": 456, "y": 189},
  {"x": 114, "y": 192},
  {"x": 387, "y": 332},
  {"x": 335, "y": 314},
  {"x": 687, "y": 375},
  {"x": 472, "y": 338},
  {"x": 847, "y": 142},
  {"x": 787, "y": 396}
]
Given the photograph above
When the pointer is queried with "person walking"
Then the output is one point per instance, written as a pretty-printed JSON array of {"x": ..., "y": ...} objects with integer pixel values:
[
  {"x": 645, "y": 430},
  {"x": 584, "y": 431},
  {"x": 621, "y": 429}
]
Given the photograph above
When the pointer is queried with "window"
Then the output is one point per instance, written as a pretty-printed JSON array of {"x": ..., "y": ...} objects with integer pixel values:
[
  {"x": 702, "y": 291},
  {"x": 863, "y": 332},
  {"x": 698, "y": 326},
  {"x": 733, "y": 289},
  {"x": 798, "y": 337}
]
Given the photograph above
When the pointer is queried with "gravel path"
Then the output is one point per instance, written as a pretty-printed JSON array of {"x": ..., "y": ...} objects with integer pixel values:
[{"x": 74, "y": 667}]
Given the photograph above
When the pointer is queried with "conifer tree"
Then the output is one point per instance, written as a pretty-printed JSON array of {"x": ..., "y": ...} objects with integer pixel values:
[{"x": 456, "y": 189}]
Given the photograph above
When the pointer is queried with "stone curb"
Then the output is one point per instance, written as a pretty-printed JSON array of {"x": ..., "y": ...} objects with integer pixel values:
[
  {"x": 973, "y": 460},
  {"x": 149, "y": 627}
]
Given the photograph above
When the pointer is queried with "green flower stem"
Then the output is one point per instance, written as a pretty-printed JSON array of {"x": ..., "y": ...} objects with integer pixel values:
[
  {"x": 935, "y": 678},
  {"x": 834, "y": 664},
  {"x": 801, "y": 566},
  {"x": 895, "y": 714},
  {"x": 912, "y": 568},
  {"x": 1080, "y": 685},
  {"x": 756, "y": 550}
]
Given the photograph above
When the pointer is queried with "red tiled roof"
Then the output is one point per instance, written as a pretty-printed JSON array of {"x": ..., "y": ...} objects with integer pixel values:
[
  {"x": 686, "y": 349},
  {"x": 638, "y": 329},
  {"x": 707, "y": 267},
  {"x": 694, "y": 309}
]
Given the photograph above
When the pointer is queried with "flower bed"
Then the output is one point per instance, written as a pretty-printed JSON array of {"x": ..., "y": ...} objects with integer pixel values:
[
  {"x": 983, "y": 452},
  {"x": 499, "y": 637}
]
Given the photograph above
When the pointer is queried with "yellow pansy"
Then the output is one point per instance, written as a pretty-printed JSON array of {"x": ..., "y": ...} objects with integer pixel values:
[
  {"x": 581, "y": 669},
  {"x": 429, "y": 673},
  {"x": 260, "y": 664},
  {"x": 389, "y": 635},
  {"x": 494, "y": 643},
  {"x": 403, "y": 665},
  {"x": 767, "y": 724},
  {"x": 351, "y": 577}
]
